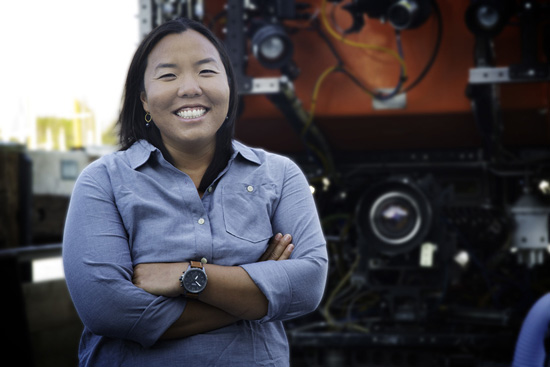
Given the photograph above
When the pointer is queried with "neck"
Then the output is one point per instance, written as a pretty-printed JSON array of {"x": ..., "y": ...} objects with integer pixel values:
[{"x": 193, "y": 162}]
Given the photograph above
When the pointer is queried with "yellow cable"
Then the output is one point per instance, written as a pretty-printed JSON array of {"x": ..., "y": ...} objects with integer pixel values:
[
  {"x": 359, "y": 44},
  {"x": 325, "y": 73},
  {"x": 329, "y": 70},
  {"x": 359, "y": 85},
  {"x": 324, "y": 160},
  {"x": 314, "y": 95},
  {"x": 343, "y": 281},
  {"x": 322, "y": 157}
]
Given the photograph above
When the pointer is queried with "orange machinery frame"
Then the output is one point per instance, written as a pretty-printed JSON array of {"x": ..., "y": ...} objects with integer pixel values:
[{"x": 437, "y": 114}]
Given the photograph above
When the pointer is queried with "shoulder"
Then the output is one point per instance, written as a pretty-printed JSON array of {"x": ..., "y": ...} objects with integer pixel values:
[
  {"x": 106, "y": 164},
  {"x": 122, "y": 160},
  {"x": 96, "y": 176},
  {"x": 110, "y": 170},
  {"x": 271, "y": 166},
  {"x": 262, "y": 157}
]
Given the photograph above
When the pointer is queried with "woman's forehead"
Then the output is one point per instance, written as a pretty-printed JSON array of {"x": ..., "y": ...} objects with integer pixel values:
[{"x": 189, "y": 45}]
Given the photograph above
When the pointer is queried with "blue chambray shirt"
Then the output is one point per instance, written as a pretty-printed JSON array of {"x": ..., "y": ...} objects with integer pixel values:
[{"x": 134, "y": 207}]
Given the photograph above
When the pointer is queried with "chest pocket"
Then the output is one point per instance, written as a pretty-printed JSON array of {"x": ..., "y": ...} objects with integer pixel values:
[{"x": 247, "y": 210}]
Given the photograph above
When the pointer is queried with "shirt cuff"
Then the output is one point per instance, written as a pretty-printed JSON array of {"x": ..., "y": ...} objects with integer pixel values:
[
  {"x": 273, "y": 281},
  {"x": 154, "y": 321}
]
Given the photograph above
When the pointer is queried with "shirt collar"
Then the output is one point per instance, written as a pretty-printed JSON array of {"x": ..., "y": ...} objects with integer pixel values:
[
  {"x": 139, "y": 153},
  {"x": 141, "y": 150},
  {"x": 245, "y": 152}
]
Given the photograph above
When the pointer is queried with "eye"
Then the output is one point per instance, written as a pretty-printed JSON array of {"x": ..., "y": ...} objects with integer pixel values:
[
  {"x": 167, "y": 76},
  {"x": 208, "y": 71}
]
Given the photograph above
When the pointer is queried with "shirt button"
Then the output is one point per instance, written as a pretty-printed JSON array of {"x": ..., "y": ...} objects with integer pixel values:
[
  {"x": 250, "y": 188},
  {"x": 210, "y": 189},
  {"x": 201, "y": 221}
]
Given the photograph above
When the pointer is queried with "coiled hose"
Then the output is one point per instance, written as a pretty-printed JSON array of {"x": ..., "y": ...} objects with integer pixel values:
[{"x": 530, "y": 350}]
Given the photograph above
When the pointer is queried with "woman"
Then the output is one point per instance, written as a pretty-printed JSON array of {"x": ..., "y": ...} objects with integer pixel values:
[{"x": 167, "y": 248}]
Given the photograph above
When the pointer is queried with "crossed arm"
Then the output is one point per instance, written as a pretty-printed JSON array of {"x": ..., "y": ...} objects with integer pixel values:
[{"x": 230, "y": 295}]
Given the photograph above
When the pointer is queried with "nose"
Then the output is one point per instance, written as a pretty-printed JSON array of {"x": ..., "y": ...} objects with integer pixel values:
[{"x": 189, "y": 86}]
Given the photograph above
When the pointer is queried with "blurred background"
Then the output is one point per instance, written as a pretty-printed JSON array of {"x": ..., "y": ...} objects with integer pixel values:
[{"x": 422, "y": 126}]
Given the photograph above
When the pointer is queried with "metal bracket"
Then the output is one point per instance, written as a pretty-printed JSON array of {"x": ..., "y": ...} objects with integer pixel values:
[
  {"x": 399, "y": 101},
  {"x": 488, "y": 75},
  {"x": 266, "y": 85}
]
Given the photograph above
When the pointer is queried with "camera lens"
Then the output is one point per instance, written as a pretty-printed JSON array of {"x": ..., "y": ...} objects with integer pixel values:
[
  {"x": 395, "y": 217},
  {"x": 487, "y": 17},
  {"x": 405, "y": 14},
  {"x": 272, "y": 48}
]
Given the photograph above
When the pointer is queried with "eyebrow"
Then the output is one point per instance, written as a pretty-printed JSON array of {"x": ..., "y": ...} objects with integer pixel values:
[
  {"x": 172, "y": 66},
  {"x": 206, "y": 61},
  {"x": 165, "y": 66}
]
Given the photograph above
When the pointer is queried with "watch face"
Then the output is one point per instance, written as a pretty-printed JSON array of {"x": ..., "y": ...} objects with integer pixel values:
[{"x": 194, "y": 280}]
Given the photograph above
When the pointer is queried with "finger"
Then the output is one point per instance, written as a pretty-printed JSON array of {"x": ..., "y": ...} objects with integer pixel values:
[
  {"x": 272, "y": 243},
  {"x": 286, "y": 253},
  {"x": 280, "y": 248}
]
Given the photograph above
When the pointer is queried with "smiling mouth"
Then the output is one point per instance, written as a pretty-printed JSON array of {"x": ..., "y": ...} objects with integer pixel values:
[{"x": 191, "y": 113}]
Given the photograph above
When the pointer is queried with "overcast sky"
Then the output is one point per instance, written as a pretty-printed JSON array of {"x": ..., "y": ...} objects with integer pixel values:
[{"x": 56, "y": 51}]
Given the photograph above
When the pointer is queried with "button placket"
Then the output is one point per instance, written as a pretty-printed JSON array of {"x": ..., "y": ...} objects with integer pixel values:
[{"x": 203, "y": 236}]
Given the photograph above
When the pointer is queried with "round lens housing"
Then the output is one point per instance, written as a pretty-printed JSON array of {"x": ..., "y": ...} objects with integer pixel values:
[
  {"x": 272, "y": 46},
  {"x": 487, "y": 17},
  {"x": 402, "y": 14},
  {"x": 395, "y": 217}
]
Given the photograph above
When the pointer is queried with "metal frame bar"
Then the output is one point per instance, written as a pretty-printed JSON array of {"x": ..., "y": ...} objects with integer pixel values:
[{"x": 29, "y": 253}]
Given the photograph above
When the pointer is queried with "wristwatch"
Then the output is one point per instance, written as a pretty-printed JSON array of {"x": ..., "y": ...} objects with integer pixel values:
[{"x": 194, "y": 279}]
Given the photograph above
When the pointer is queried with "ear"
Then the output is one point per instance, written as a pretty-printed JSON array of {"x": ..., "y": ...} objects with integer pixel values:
[{"x": 143, "y": 98}]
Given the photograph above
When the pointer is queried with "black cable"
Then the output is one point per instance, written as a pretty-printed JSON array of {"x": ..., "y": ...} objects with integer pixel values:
[
  {"x": 341, "y": 68},
  {"x": 436, "y": 48},
  {"x": 402, "y": 78},
  {"x": 324, "y": 37}
]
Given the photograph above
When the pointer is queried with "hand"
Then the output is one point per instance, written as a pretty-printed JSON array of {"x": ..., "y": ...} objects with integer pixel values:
[
  {"x": 160, "y": 279},
  {"x": 279, "y": 248}
]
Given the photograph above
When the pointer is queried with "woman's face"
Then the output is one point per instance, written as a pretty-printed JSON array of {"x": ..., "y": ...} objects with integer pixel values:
[{"x": 186, "y": 90}]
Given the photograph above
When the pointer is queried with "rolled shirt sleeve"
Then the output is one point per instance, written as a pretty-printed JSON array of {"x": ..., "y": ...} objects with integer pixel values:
[
  {"x": 294, "y": 287},
  {"x": 98, "y": 268}
]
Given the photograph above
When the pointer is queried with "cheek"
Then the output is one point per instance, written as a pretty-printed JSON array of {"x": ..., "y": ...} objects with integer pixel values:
[
  {"x": 224, "y": 99},
  {"x": 157, "y": 99}
]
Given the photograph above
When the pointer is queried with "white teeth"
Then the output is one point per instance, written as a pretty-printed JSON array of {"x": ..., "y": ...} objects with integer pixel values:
[{"x": 192, "y": 113}]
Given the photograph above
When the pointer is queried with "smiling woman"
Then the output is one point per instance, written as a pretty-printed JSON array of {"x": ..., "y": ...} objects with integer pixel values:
[
  {"x": 213, "y": 54},
  {"x": 187, "y": 96},
  {"x": 179, "y": 234}
]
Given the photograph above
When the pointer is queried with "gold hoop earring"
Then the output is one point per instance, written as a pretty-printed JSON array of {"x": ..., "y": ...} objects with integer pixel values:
[{"x": 148, "y": 119}]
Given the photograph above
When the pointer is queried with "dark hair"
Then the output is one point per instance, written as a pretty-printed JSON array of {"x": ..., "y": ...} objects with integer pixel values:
[{"x": 131, "y": 120}]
